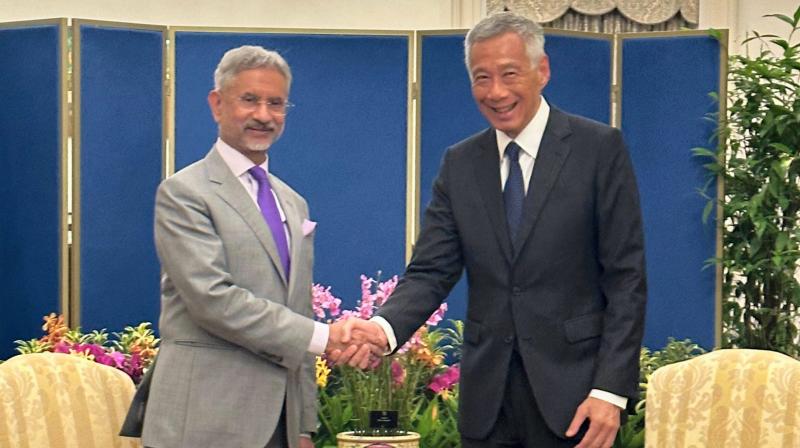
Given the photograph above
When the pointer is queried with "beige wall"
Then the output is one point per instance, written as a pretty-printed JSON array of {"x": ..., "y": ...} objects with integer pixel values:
[
  {"x": 738, "y": 16},
  {"x": 334, "y": 14},
  {"x": 744, "y": 16}
]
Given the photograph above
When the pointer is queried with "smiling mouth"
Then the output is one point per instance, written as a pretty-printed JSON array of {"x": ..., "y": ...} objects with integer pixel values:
[
  {"x": 261, "y": 130},
  {"x": 505, "y": 109}
]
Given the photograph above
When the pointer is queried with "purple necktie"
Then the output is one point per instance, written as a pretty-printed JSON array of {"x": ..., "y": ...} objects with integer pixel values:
[{"x": 269, "y": 208}]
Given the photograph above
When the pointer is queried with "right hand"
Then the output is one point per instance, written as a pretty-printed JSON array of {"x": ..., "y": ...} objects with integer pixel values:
[{"x": 356, "y": 342}]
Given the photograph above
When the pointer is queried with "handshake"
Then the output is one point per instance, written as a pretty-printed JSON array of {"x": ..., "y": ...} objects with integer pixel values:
[{"x": 356, "y": 342}]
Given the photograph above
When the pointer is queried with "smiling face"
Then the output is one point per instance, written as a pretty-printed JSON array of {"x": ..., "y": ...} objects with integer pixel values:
[
  {"x": 250, "y": 130},
  {"x": 505, "y": 83}
]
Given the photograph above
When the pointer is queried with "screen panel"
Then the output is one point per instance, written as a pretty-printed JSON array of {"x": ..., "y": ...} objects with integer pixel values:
[
  {"x": 120, "y": 71},
  {"x": 344, "y": 145},
  {"x": 666, "y": 81},
  {"x": 580, "y": 83},
  {"x": 580, "y": 73},
  {"x": 31, "y": 161}
]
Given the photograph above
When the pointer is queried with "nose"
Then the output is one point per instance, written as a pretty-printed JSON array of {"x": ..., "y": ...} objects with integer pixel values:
[
  {"x": 262, "y": 112},
  {"x": 497, "y": 90}
]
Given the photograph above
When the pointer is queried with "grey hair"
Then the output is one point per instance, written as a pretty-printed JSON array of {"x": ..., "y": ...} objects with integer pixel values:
[
  {"x": 249, "y": 57},
  {"x": 507, "y": 22}
]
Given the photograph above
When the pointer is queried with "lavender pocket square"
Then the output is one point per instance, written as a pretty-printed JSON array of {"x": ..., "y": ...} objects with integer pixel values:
[{"x": 308, "y": 227}]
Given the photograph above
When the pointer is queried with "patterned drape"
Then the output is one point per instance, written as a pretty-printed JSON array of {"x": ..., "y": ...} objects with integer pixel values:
[{"x": 606, "y": 16}]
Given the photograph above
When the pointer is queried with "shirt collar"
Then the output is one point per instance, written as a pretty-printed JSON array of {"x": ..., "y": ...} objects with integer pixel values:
[
  {"x": 236, "y": 161},
  {"x": 531, "y": 136}
]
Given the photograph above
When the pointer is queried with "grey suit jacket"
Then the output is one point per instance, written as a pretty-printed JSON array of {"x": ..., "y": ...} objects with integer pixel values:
[
  {"x": 235, "y": 331},
  {"x": 569, "y": 293}
]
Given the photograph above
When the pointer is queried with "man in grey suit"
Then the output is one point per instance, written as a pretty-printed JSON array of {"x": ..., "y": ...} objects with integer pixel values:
[
  {"x": 236, "y": 362},
  {"x": 542, "y": 211}
]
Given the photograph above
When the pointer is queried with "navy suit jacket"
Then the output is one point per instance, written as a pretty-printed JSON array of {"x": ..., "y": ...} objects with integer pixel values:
[{"x": 571, "y": 297}]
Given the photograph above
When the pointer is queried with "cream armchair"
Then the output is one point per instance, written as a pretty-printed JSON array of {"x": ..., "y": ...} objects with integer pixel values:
[
  {"x": 52, "y": 400},
  {"x": 727, "y": 398}
]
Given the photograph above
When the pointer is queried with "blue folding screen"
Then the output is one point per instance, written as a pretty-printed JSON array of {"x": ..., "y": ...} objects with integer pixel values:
[
  {"x": 344, "y": 146},
  {"x": 32, "y": 162},
  {"x": 119, "y": 73},
  {"x": 345, "y": 149},
  {"x": 580, "y": 64},
  {"x": 666, "y": 81}
]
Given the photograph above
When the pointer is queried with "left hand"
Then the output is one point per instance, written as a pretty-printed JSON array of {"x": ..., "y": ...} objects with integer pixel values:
[
  {"x": 603, "y": 423},
  {"x": 305, "y": 442}
]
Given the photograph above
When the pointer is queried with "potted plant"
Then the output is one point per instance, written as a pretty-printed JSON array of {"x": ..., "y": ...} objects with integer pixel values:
[
  {"x": 408, "y": 400},
  {"x": 758, "y": 161}
]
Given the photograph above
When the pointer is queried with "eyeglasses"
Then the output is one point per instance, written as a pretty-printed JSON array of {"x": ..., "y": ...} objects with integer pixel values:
[{"x": 277, "y": 106}]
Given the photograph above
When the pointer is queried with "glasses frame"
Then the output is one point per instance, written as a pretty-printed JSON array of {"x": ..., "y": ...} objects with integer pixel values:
[{"x": 275, "y": 106}]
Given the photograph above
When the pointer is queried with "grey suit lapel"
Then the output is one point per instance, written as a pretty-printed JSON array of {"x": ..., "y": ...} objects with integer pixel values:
[
  {"x": 232, "y": 192},
  {"x": 487, "y": 175},
  {"x": 553, "y": 151}
]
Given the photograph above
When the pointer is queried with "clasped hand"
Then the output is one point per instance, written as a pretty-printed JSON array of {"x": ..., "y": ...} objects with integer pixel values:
[{"x": 356, "y": 342}]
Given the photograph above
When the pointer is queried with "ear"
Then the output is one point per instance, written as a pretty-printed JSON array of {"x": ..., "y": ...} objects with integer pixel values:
[
  {"x": 544, "y": 71},
  {"x": 215, "y": 104}
]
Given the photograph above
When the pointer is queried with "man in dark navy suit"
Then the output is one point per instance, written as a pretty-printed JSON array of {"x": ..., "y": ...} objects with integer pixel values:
[{"x": 542, "y": 210}]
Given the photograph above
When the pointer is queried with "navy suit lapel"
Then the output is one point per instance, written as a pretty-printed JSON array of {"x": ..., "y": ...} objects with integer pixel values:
[
  {"x": 232, "y": 192},
  {"x": 487, "y": 177},
  {"x": 553, "y": 151}
]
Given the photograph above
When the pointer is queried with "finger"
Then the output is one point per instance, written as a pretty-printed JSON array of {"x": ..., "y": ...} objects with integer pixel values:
[
  {"x": 361, "y": 358},
  {"x": 367, "y": 359},
  {"x": 347, "y": 354},
  {"x": 377, "y": 351},
  {"x": 591, "y": 439},
  {"x": 347, "y": 328},
  {"x": 334, "y": 355},
  {"x": 607, "y": 432},
  {"x": 577, "y": 421},
  {"x": 609, "y": 440}
]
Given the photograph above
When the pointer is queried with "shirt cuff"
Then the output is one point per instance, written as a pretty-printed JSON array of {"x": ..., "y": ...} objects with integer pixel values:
[
  {"x": 307, "y": 436},
  {"x": 319, "y": 339},
  {"x": 616, "y": 400},
  {"x": 387, "y": 329}
]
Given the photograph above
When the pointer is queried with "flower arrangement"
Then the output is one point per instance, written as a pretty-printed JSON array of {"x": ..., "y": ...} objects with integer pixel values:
[
  {"x": 131, "y": 350},
  {"x": 415, "y": 381}
]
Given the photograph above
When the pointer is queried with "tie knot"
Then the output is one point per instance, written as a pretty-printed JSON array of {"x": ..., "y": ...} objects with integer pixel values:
[
  {"x": 512, "y": 151},
  {"x": 258, "y": 174}
]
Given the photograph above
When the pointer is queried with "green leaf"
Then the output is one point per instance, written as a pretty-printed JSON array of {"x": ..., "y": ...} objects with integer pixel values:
[
  {"x": 707, "y": 211},
  {"x": 783, "y": 18},
  {"x": 781, "y": 43},
  {"x": 781, "y": 242},
  {"x": 704, "y": 152},
  {"x": 715, "y": 33}
]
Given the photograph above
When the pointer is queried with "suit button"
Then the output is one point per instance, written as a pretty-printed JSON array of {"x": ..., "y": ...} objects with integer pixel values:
[
  {"x": 516, "y": 290},
  {"x": 509, "y": 339}
]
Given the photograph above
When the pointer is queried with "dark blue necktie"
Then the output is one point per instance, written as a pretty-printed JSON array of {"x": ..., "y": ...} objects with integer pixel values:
[
  {"x": 514, "y": 191},
  {"x": 269, "y": 208}
]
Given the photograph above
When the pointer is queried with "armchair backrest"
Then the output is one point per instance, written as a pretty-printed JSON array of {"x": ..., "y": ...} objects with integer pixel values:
[
  {"x": 726, "y": 398},
  {"x": 57, "y": 400}
]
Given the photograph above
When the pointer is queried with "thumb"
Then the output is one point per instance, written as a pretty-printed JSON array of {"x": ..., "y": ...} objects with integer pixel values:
[
  {"x": 577, "y": 421},
  {"x": 347, "y": 328}
]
